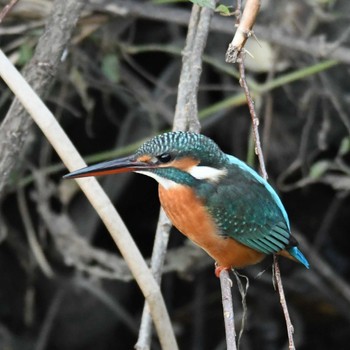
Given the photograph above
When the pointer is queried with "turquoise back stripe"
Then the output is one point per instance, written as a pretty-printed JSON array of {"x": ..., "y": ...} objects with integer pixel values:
[{"x": 245, "y": 167}]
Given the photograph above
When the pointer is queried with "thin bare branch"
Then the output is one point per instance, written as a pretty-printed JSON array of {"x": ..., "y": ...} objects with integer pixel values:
[
  {"x": 255, "y": 119},
  {"x": 7, "y": 8},
  {"x": 243, "y": 290},
  {"x": 244, "y": 30},
  {"x": 283, "y": 301},
  {"x": 236, "y": 51},
  {"x": 157, "y": 263},
  {"x": 31, "y": 236},
  {"x": 258, "y": 151},
  {"x": 186, "y": 111},
  {"x": 49, "y": 321}
]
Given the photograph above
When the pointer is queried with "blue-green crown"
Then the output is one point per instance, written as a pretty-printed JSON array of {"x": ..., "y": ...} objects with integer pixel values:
[{"x": 182, "y": 144}]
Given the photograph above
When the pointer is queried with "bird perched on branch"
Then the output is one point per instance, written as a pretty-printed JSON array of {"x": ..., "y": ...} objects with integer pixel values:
[{"x": 213, "y": 198}]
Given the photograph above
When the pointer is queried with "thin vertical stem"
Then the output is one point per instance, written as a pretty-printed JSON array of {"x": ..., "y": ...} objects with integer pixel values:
[
  {"x": 235, "y": 53},
  {"x": 227, "y": 305},
  {"x": 283, "y": 301}
]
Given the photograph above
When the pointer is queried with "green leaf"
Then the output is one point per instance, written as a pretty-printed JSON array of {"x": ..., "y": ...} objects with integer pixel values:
[
  {"x": 204, "y": 3},
  {"x": 344, "y": 146},
  {"x": 318, "y": 169},
  {"x": 25, "y": 54},
  {"x": 110, "y": 67},
  {"x": 224, "y": 10}
]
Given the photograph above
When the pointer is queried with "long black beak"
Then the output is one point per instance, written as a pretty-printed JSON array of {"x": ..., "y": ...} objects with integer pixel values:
[{"x": 116, "y": 166}]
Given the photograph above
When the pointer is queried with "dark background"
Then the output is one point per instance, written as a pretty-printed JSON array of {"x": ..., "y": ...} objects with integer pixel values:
[{"x": 116, "y": 87}]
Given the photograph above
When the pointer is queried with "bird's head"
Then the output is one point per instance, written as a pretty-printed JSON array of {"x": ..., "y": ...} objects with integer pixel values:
[{"x": 166, "y": 156}]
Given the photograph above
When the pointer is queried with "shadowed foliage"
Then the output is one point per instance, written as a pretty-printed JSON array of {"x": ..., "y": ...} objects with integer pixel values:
[{"x": 64, "y": 285}]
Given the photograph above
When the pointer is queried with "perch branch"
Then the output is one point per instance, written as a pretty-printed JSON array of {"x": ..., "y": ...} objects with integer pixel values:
[
  {"x": 67, "y": 152},
  {"x": 235, "y": 49},
  {"x": 185, "y": 118},
  {"x": 227, "y": 306}
]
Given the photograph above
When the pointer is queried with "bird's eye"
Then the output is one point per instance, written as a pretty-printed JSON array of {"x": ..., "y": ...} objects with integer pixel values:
[{"x": 165, "y": 158}]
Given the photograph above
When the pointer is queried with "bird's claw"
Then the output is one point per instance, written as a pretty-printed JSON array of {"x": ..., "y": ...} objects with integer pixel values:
[{"x": 218, "y": 270}]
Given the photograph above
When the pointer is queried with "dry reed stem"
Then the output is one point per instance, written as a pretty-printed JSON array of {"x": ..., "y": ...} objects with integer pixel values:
[{"x": 97, "y": 197}]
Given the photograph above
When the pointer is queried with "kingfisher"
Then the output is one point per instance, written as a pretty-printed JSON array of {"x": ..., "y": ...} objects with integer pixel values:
[{"x": 213, "y": 198}]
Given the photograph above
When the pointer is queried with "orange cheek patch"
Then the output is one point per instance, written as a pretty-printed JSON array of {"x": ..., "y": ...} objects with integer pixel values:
[{"x": 183, "y": 164}]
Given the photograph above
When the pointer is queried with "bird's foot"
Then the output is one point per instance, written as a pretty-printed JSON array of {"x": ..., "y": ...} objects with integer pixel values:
[{"x": 218, "y": 270}]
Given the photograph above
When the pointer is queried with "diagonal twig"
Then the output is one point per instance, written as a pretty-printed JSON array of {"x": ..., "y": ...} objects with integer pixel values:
[
  {"x": 255, "y": 119},
  {"x": 157, "y": 263},
  {"x": 105, "y": 209},
  {"x": 283, "y": 301},
  {"x": 7, "y": 8},
  {"x": 236, "y": 53}
]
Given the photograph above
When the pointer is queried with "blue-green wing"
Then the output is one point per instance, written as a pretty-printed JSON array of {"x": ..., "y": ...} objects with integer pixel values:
[{"x": 246, "y": 210}]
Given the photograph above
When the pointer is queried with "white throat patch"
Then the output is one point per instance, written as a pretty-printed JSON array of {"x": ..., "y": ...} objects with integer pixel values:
[
  {"x": 207, "y": 173},
  {"x": 199, "y": 172}
]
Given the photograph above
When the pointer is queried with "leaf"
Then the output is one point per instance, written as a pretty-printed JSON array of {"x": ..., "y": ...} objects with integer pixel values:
[
  {"x": 204, "y": 3},
  {"x": 344, "y": 146},
  {"x": 25, "y": 54},
  {"x": 318, "y": 169},
  {"x": 110, "y": 67},
  {"x": 224, "y": 10}
]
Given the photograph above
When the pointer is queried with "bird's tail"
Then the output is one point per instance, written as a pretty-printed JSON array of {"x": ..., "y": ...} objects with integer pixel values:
[{"x": 298, "y": 255}]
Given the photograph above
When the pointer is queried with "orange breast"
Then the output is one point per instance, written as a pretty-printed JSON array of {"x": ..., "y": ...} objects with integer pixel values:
[{"x": 190, "y": 217}]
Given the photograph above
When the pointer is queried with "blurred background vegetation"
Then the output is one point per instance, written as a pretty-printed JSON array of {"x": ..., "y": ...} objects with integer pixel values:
[{"x": 63, "y": 285}]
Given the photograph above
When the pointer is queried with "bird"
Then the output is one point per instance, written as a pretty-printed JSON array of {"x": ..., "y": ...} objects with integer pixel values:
[{"x": 216, "y": 200}]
